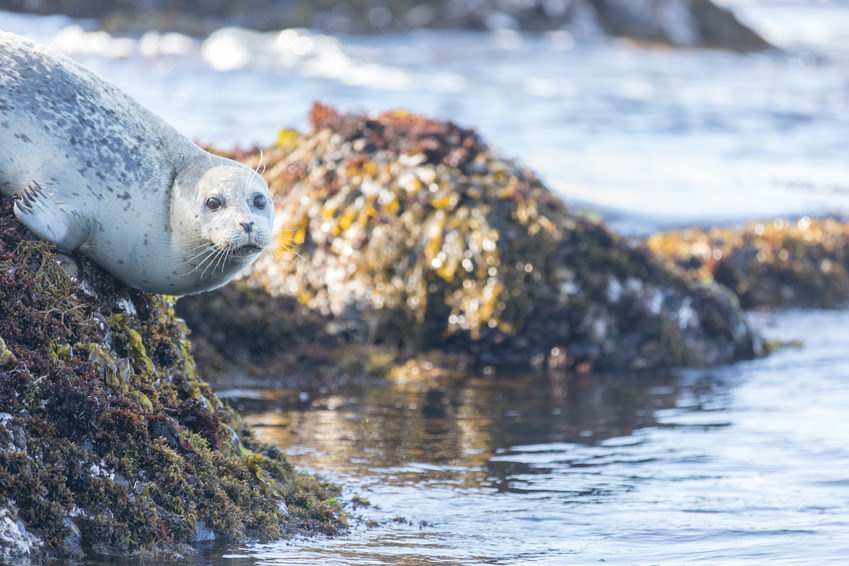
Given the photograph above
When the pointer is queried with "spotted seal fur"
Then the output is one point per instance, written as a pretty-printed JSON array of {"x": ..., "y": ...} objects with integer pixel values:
[{"x": 94, "y": 171}]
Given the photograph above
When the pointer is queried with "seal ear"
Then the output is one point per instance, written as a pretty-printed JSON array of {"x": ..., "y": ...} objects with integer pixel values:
[{"x": 63, "y": 225}]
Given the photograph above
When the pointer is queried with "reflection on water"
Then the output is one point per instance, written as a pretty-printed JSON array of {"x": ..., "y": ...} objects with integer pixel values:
[
  {"x": 736, "y": 465},
  {"x": 454, "y": 432}
]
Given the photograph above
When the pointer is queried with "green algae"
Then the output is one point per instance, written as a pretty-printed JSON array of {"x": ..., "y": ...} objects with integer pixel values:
[
  {"x": 6, "y": 354},
  {"x": 134, "y": 344},
  {"x": 121, "y": 448}
]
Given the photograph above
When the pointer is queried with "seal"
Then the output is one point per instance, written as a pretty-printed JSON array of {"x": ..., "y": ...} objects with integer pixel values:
[{"x": 93, "y": 171}]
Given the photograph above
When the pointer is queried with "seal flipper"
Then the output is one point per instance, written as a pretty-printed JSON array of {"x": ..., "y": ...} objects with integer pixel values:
[{"x": 49, "y": 220}]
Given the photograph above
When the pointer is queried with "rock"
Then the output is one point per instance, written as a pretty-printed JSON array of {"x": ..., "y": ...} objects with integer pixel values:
[
  {"x": 267, "y": 340},
  {"x": 719, "y": 27},
  {"x": 770, "y": 264},
  {"x": 417, "y": 236},
  {"x": 676, "y": 22},
  {"x": 15, "y": 542},
  {"x": 109, "y": 441}
]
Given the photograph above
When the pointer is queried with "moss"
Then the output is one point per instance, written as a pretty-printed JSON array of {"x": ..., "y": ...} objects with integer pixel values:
[{"x": 121, "y": 448}]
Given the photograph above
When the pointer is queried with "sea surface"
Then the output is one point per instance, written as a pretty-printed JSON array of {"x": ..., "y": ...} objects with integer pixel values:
[
  {"x": 745, "y": 464},
  {"x": 651, "y": 137}
]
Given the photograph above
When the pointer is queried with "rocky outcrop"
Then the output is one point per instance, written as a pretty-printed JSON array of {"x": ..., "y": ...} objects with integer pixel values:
[
  {"x": 415, "y": 235},
  {"x": 776, "y": 263},
  {"x": 676, "y": 22},
  {"x": 110, "y": 443}
]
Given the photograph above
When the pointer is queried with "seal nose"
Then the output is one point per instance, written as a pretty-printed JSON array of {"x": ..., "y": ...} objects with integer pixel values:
[{"x": 248, "y": 226}]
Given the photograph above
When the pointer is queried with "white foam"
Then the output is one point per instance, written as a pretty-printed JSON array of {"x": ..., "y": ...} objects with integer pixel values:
[
  {"x": 796, "y": 24},
  {"x": 37, "y": 26}
]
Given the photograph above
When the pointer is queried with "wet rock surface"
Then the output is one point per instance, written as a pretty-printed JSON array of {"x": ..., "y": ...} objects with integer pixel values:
[
  {"x": 677, "y": 22},
  {"x": 110, "y": 443},
  {"x": 416, "y": 236},
  {"x": 777, "y": 263}
]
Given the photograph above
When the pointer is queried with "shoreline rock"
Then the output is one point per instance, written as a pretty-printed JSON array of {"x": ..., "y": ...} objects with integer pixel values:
[
  {"x": 416, "y": 236},
  {"x": 692, "y": 23},
  {"x": 110, "y": 444},
  {"x": 777, "y": 263}
]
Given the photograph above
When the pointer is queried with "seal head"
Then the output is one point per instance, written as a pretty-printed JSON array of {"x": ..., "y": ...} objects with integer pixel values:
[{"x": 222, "y": 217}]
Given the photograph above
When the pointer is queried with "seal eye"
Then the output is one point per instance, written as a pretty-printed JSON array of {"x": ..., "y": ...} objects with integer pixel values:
[
  {"x": 213, "y": 204},
  {"x": 259, "y": 202}
]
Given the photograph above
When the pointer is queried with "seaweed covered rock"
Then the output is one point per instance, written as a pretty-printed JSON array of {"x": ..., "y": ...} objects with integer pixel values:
[
  {"x": 777, "y": 263},
  {"x": 416, "y": 236},
  {"x": 109, "y": 442},
  {"x": 241, "y": 333}
]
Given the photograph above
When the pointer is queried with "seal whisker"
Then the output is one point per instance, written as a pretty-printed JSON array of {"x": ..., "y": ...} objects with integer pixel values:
[
  {"x": 280, "y": 252},
  {"x": 197, "y": 254},
  {"x": 255, "y": 170},
  {"x": 207, "y": 256},
  {"x": 218, "y": 256},
  {"x": 202, "y": 255},
  {"x": 214, "y": 263},
  {"x": 261, "y": 164},
  {"x": 225, "y": 255},
  {"x": 222, "y": 258},
  {"x": 212, "y": 257},
  {"x": 201, "y": 244},
  {"x": 207, "y": 253},
  {"x": 197, "y": 247},
  {"x": 283, "y": 244},
  {"x": 203, "y": 250}
]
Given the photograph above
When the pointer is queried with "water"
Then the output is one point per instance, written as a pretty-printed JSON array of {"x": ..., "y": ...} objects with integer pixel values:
[
  {"x": 651, "y": 137},
  {"x": 736, "y": 465}
]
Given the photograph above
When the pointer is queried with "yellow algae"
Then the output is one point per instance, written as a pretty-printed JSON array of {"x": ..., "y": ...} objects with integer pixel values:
[
  {"x": 5, "y": 353},
  {"x": 417, "y": 235},
  {"x": 287, "y": 137}
]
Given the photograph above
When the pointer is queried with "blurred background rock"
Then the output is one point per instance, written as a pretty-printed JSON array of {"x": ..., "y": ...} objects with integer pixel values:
[{"x": 677, "y": 22}]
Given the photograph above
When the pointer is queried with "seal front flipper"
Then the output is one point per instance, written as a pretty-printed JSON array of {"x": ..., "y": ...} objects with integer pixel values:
[{"x": 49, "y": 220}]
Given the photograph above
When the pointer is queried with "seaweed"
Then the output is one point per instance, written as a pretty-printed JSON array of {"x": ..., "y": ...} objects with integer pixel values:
[
  {"x": 110, "y": 443},
  {"x": 775, "y": 263},
  {"x": 416, "y": 236}
]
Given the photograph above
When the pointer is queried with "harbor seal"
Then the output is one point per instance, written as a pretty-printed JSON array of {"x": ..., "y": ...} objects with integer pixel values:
[{"x": 94, "y": 171}]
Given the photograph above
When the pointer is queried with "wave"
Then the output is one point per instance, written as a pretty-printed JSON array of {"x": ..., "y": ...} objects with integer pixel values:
[{"x": 822, "y": 26}]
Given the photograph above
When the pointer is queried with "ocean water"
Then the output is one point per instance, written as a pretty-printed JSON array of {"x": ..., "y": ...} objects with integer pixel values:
[
  {"x": 649, "y": 137},
  {"x": 745, "y": 464}
]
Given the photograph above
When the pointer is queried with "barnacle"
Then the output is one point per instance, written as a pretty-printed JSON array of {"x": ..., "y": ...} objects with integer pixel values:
[{"x": 418, "y": 236}]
